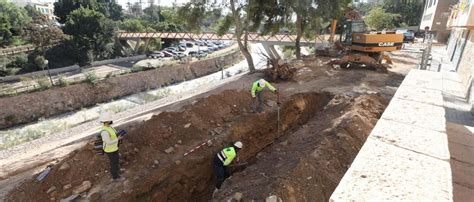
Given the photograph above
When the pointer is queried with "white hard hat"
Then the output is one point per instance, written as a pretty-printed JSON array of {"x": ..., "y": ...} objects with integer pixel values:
[
  {"x": 238, "y": 144},
  {"x": 261, "y": 82},
  {"x": 105, "y": 117}
]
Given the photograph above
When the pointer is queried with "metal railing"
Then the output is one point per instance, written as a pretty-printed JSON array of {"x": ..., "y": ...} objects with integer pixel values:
[{"x": 426, "y": 55}]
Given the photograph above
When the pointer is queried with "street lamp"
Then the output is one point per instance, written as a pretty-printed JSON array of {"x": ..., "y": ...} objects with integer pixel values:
[{"x": 49, "y": 73}]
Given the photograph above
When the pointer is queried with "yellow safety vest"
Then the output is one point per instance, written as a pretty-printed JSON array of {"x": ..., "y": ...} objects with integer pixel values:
[
  {"x": 108, "y": 148},
  {"x": 227, "y": 155}
]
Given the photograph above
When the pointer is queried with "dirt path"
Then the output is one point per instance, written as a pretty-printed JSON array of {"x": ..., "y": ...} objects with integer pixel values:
[{"x": 147, "y": 182}]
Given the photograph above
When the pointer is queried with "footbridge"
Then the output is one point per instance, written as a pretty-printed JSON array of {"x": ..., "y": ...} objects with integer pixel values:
[{"x": 268, "y": 41}]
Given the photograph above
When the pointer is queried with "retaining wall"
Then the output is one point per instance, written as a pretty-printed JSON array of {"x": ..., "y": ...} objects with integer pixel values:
[
  {"x": 406, "y": 157},
  {"x": 32, "y": 106}
]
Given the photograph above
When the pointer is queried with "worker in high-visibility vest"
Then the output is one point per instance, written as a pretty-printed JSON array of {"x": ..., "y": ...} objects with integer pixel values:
[
  {"x": 257, "y": 94},
  {"x": 110, "y": 144},
  {"x": 222, "y": 159}
]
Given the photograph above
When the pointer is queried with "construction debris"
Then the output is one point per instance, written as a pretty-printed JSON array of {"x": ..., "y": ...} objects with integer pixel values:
[
  {"x": 43, "y": 174},
  {"x": 273, "y": 198},
  {"x": 86, "y": 185},
  {"x": 70, "y": 198},
  {"x": 67, "y": 186},
  {"x": 64, "y": 166},
  {"x": 169, "y": 150},
  {"x": 238, "y": 196},
  {"x": 51, "y": 189},
  {"x": 279, "y": 70}
]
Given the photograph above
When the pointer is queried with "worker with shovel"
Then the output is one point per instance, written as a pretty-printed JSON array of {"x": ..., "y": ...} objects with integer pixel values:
[
  {"x": 257, "y": 94},
  {"x": 110, "y": 139},
  {"x": 222, "y": 159}
]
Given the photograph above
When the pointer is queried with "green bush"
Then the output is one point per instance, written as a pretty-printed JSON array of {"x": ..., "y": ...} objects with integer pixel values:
[
  {"x": 44, "y": 83},
  {"x": 63, "y": 82},
  {"x": 92, "y": 78}
]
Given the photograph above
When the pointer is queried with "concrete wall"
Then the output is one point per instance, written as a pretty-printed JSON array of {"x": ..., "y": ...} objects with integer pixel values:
[
  {"x": 110, "y": 61},
  {"x": 466, "y": 68},
  {"x": 32, "y": 106},
  {"x": 40, "y": 73}
]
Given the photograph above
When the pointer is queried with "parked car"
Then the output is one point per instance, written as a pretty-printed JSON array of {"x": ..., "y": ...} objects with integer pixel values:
[
  {"x": 171, "y": 49},
  {"x": 181, "y": 48},
  {"x": 192, "y": 53},
  {"x": 156, "y": 54},
  {"x": 201, "y": 54},
  {"x": 179, "y": 56},
  {"x": 408, "y": 35},
  {"x": 189, "y": 44},
  {"x": 167, "y": 54}
]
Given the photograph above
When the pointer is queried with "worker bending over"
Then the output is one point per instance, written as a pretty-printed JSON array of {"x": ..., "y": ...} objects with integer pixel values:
[
  {"x": 257, "y": 93},
  {"x": 222, "y": 160},
  {"x": 110, "y": 144}
]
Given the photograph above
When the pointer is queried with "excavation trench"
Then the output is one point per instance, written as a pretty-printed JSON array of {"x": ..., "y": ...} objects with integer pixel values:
[{"x": 152, "y": 153}]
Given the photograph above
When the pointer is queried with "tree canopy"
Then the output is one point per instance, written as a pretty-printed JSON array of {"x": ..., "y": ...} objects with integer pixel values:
[
  {"x": 91, "y": 31},
  {"x": 110, "y": 9},
  {"x": 378, "y": 19},
  {"x": 12, "y": 20}
]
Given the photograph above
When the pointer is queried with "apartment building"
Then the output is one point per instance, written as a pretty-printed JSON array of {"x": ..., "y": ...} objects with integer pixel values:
[
  {"x": 461, "y": 43},
  {"x": 435, "y": 16}
]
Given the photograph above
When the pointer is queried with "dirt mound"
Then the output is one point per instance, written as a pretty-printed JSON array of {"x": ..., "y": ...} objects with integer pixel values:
[
  {"x": 308, "y": 165},
  {"x": 152, "y": 153}
]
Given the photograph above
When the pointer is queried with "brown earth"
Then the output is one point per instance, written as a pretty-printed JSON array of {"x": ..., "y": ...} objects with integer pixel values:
[
  {"x": 332, "y": 137},
  {"x": 308, "y": 165},
  {"x": 223, "y": 116},
  {"x": 32, "y": 106}
]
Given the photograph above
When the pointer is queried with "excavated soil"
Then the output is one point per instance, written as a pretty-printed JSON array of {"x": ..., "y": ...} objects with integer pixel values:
[
  {"x": 308, "y": 164},
  {"x": 152, "y": 153}
]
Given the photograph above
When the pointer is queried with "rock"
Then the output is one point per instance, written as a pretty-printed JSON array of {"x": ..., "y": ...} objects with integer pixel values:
[
  {"x": 238, "y": 196},
  {"x": 273, "y": 198},
  {"x": 176, "y": 145},
  {"x": 156, "y": 162},
  {"x": 187, "y": 125},
  {"x": 65, "y": 166},
  {"x": 136, "y": 150},
  {"x": 177, "y": 162},
  {"x": 70, "y": 198},
  {"x": 169, "y": 150},
  {"x": 284, "y": 143},
  {"x": 51, "y": 189},
  {"x": 86, "y": 185},
  {"x": 66, "y": 187},
  {"x": 180, "y": 142},
  {"x": 271, "y": 103},
  {"x": 94, "y": 196},
  {"x": 308, "y": 178}
]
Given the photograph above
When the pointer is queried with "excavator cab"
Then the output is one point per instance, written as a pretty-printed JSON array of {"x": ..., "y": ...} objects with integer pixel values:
[{"x": 351, "y": 27}]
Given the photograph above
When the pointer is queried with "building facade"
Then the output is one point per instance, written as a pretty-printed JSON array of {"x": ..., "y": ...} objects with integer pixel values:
[
  {"x": 435, "y": 16},
  {"x": 461, "y": 44},
  {"x": 46, "y": 9}
]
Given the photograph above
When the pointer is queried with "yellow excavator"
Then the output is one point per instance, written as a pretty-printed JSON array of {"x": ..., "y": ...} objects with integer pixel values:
[{"x": 362, "y": 47}]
